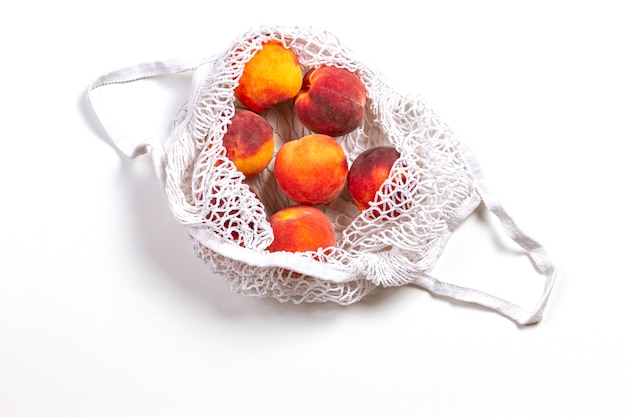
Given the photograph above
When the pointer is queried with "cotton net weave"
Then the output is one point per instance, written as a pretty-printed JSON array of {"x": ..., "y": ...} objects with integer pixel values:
[{"x": 398, "y": 238}]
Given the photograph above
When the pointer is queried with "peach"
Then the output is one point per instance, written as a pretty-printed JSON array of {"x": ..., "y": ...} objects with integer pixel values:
[
  {"x": 249, "y": 142},
  {"x": 331, "y": 101},
  {"x": 273, "y": 75},
  {"x": 300, "y": 229},
  {"x": 368, "y": 172},
  {"x": 312, "y": 169}
]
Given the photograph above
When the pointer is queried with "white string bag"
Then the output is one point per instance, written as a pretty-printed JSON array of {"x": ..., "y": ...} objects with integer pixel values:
[{"x": 434, "y": 186}]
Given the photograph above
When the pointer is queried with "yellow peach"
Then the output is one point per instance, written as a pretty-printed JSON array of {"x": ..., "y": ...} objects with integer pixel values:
[
  {"x": 312, "y": 169},
  {"x": 273, "y": 75}
]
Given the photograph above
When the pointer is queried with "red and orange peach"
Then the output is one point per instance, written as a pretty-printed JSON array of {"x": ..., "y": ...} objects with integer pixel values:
[
  {"x": 249, "y": 142},
  {"x": 331, "y": 101},
  {"x": 301, "y": 229},
  {"x": 311, "y": 170},
  {"x": 368, "y": 172}
]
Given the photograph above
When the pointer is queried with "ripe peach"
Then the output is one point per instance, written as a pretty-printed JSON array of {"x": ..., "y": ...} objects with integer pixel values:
[
  {"x": 331, "y": 101},
  {"x": 249, "y": 142},
  {"x": 312, "y": 169},
  {"x": 271, "y": 76},
  {"x": 368, "y": 172},
  {"x": 301, "y": 229}
]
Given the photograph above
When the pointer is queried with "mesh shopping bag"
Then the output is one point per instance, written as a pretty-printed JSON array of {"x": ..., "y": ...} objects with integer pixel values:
[{"x": 395, "y": 242}]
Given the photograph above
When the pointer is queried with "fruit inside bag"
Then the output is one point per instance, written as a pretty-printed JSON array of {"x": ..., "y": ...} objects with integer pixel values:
[{"x": 230, "y": 204}]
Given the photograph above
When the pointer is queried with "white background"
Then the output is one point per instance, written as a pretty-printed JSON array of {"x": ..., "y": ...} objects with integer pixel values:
[{"x": 106, "y": 311}]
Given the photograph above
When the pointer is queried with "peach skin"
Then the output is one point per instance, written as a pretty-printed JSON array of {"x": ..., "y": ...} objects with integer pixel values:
[
  {"x": 368, "y": 172},
  {"x": 312, "y": 169},
  {"x": 301, "y": 229},
  {"x": 273, "y": 75},
  {"x": 331, "y": 101},
  {"x": 249, "y": 142}
]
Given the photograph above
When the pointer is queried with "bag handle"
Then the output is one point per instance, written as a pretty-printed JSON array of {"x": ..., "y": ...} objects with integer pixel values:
[
  {"x": 129, "y": 146},
  {"x": 536, "y": 252}
]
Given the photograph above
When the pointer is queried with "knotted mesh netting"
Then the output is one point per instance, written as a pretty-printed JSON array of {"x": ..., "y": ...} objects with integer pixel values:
[{"x": 399, "y": 237}]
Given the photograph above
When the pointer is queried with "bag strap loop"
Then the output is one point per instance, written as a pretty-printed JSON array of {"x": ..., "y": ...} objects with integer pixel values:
[
  {"x": 131, "y": 147},
  {"x": 532, "y": 248}
]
